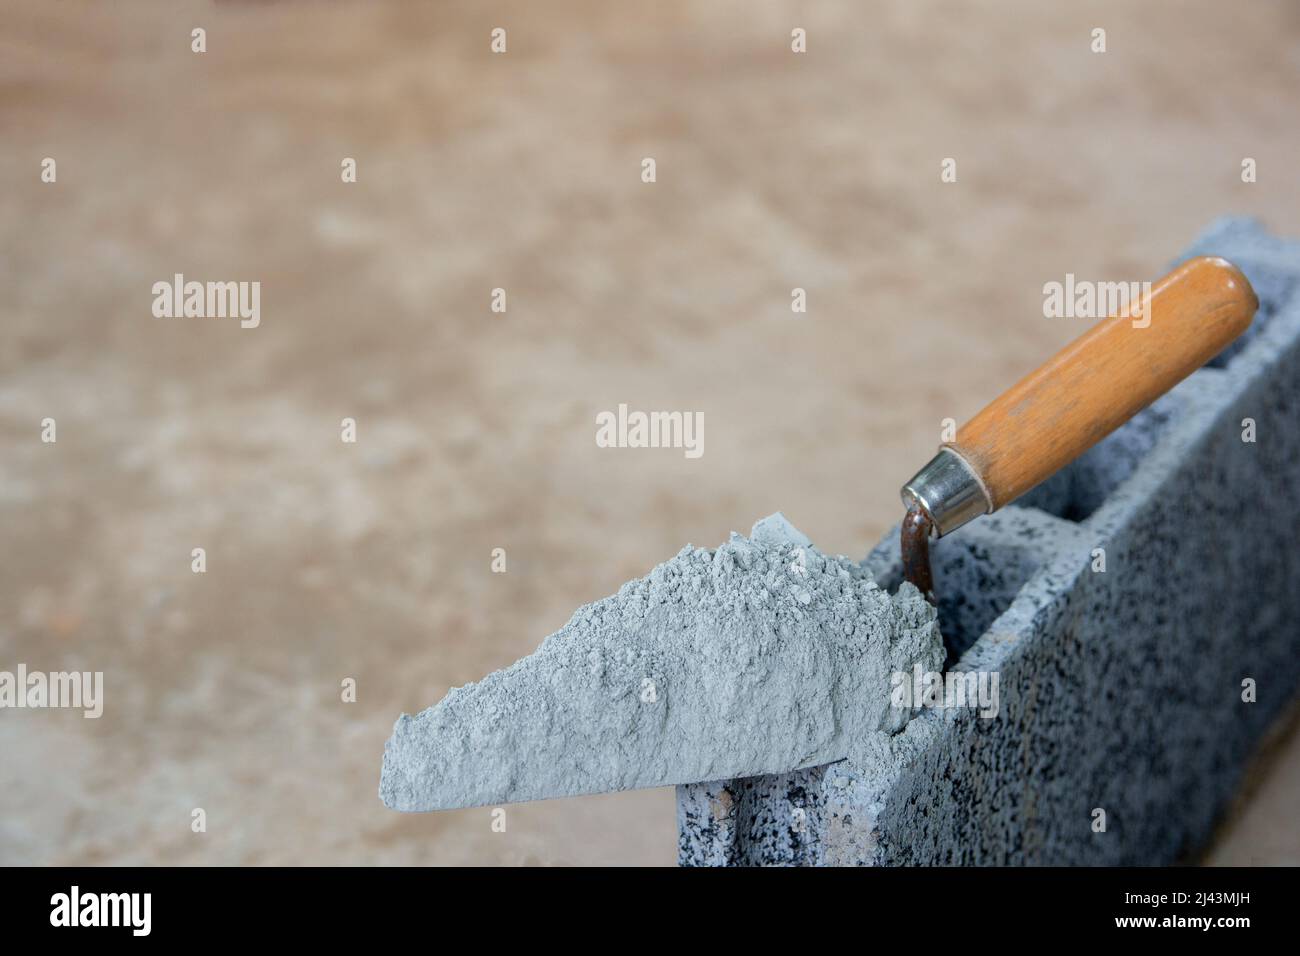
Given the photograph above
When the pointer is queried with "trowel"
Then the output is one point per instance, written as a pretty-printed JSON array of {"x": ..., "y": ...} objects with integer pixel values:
[
  {"x": 1072, "y": 401},
  {"x": 764, "y": 655}
]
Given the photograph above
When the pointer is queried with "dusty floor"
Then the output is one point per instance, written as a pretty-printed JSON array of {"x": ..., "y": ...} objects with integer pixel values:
[{"x": 371, "y": 561}]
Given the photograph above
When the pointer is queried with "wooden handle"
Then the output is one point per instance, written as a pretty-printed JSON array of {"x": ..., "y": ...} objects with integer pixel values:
[{"x": 1105, "y": 377}]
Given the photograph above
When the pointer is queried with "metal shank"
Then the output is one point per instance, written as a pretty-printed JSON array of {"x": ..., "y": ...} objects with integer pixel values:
[{"x": 948, "y": 490}]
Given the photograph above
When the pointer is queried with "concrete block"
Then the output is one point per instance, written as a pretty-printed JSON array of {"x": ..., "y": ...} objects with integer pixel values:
[{"x": 1121, "y": 691}]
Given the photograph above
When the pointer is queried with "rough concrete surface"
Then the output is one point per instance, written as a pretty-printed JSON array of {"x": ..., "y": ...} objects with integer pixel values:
[
  {"x": 758, "y": 656},
  {"x": 1122, "y": 689},
  {"x": 373, "y": 561}
]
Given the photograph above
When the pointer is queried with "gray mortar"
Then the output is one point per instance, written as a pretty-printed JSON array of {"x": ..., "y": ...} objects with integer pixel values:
[
  {"x": 763, "y": 655},
  {"x": 1119, "y": 690}
]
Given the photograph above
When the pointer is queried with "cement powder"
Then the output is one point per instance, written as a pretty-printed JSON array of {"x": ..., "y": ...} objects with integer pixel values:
[{"x": 761, "y": 656}]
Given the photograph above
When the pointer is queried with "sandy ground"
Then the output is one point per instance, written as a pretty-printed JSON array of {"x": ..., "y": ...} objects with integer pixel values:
[{"x": 522, "y": 171}]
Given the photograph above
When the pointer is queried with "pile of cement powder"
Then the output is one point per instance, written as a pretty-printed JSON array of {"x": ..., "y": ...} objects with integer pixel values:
[{"x": 761, "y": 656}]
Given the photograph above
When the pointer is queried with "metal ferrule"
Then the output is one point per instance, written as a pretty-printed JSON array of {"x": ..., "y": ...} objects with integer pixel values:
[{"x": 949, "y": 490}]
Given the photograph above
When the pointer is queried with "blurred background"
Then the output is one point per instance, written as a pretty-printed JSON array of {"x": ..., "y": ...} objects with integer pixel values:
[{"x": 372, "y": 560}]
